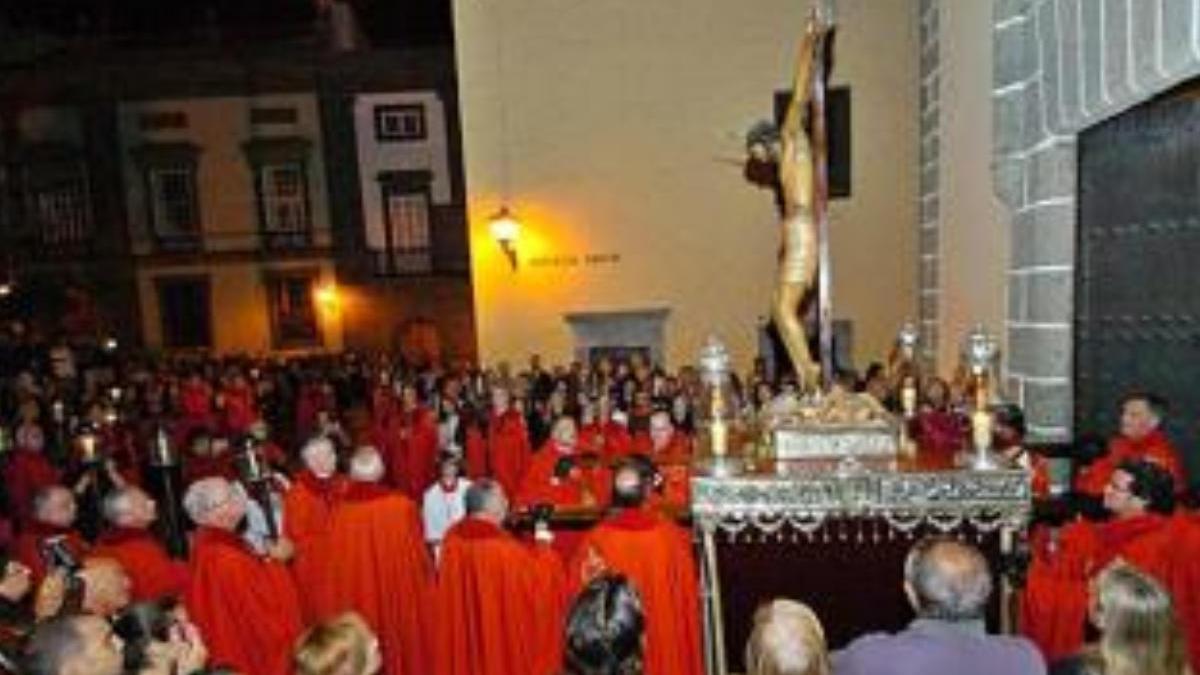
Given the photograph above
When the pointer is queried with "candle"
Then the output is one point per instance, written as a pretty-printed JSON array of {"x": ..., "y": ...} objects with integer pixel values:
[
  {"x": 720, "y": 437},
  {"x": 981, "y": 429}
]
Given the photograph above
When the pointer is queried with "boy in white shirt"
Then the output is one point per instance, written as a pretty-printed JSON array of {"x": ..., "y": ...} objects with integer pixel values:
[{"x": 444, "y": 503}]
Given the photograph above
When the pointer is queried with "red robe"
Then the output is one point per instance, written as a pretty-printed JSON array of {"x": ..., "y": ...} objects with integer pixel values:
[
  {"x": 610, "y": 440},
  {"x": 382, "y": 571},
  {"x": 674, "y": 465},
  {"x": 241, "y": 410},
  {"x": 677, "y": 451},
  {"x": 245, "y": 606},
  {"x": 27, "y": 472},
  {"x": 1181, "y": 575},
  {"x": 410, "y": 451},
  {"x": 308, "y": 508},
  {"x": 508, "y": 449},
  {"x": 1054, "y": 603},
  {"x": 939, "y": 434},
  {"x": 580, "y": 488},
  {"x": 1155, "y": 447},
  {"x": 475, "y": 453},
  {"x": 498, "y": 605},
  {"x": 209, "y": 466},
  {"x": 312, "y": 399},
  {"x": 152, "y": 573},
  {"x": 28, "y": 548},
  {"x": 656, "y": 555},
  {"x": 195, "y": 403}
]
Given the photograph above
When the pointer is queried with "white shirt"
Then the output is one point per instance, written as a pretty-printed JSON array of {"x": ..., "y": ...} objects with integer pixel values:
[{"x": 443, "y": 508}]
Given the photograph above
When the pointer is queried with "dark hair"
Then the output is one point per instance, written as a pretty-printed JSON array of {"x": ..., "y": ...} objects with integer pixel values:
[
  {"x": 141, "y": 624},
  {"x": 1151, "y": 483},
  {"x": 478, "y": 495},
  {"x": 51, "y": 646},
  {"x": 604, "y": 629},
  {"x": 1157, "y": 404},
  {"x": 1011, "y": 416}
]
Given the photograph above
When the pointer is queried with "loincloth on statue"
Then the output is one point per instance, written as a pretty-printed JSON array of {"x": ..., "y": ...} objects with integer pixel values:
[{"x": 798, "y": 255}]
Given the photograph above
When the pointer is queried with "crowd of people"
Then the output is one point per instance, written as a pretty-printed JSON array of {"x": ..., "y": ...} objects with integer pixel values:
[{"x": 350, "y": 514}]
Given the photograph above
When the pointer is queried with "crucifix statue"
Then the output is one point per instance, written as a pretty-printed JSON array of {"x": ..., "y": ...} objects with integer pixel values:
[{"x": 803, "y": 189}]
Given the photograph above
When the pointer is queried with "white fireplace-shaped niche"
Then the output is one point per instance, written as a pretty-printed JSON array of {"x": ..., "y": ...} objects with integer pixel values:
[{"x": 618, "y": 333}]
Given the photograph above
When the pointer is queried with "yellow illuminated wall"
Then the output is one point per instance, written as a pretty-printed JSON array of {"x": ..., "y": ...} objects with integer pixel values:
[{"x": 614, "y": 128}]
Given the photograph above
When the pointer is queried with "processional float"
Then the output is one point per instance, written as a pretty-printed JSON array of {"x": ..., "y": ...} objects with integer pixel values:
[{"x": 821, "y": 454}]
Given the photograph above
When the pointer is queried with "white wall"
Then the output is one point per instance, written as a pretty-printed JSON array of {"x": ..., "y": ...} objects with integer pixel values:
[
  {"x": 431, "y": 154},
  {"x": 974, "y": 229}
]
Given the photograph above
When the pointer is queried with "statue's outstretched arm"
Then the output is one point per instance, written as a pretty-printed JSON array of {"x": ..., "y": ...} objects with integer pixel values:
[{"x": 795, "y": 162}]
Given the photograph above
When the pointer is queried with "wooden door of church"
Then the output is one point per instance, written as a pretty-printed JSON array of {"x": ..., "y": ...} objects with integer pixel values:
[{"x": 1137, "y": 284}]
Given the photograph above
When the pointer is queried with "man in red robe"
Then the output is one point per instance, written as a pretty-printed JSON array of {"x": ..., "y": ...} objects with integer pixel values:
[
  {"x": 27, "y": 471},
  {"x": 411, "y": 445},
  {"x": 1140, "y": 495},
  {"x": 308, "y": 507},
  {"x": 671, "y": 452},
  {"x": 239, "y": 405},
  {"x": 54, "y": 512},
  {"x": 656, "y": 555},
  {"x": 601, "y": 434},
  {"x": 381, "y": 568},
  {"x": 558, "y": 476},
  {"x": 508, "y": 452},
  {"x": 1141, "y": 437},
  {"x": 152, "y": 573},
  {"x": 244, "y": 604},
  {"x": 498, "y": 605}
]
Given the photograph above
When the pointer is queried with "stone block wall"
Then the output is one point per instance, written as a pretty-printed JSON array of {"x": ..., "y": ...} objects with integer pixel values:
[{"x": 1061, "y": 66}]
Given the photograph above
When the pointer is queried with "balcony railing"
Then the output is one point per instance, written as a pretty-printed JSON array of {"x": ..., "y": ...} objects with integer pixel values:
[{"x": 234, "y": 242}]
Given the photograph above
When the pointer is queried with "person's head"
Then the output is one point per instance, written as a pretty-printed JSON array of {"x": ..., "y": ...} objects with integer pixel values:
[
  {"x": 106, "y": 586},
  {"x": 564, "y": 433},
  {"x": 605, "y": 629},
  {"x": 129, "y": 507},
  {"x": 630, "y": 486},
  {"x": 29, "y": 437},
  {"x": 661, "y": 430},
  {"x": 73, "y": 645},
  {"x": 1139, "y": 486},
  {"x": 1009, "y": 425},
  {"x": 1141, "y": 414},
  {"x": 409, "y": 397},
  {"x": 936, "y": 393},
  {"x": 200, "y": 442},
  {"x": 54, "y": 505},
  {"x": 1139, "y": 632},
  {"x": 787, "y": 639},
  {"x": 319, "y": 457},
  {"x": 485, "y": 500},
  {"x": 143, "y": 626},
  {"x": 448, "y": 468},
  {"x": 214, "y": 502},
  {"x": 366, "y": 465},
  {"x": 500, "y": 399},
  {"x": 947, "y": 580},
  {"x": 343, "y": 645}
]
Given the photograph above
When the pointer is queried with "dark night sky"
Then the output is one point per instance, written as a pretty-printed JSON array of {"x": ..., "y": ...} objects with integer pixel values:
[{"x": 391, "y": 23}]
